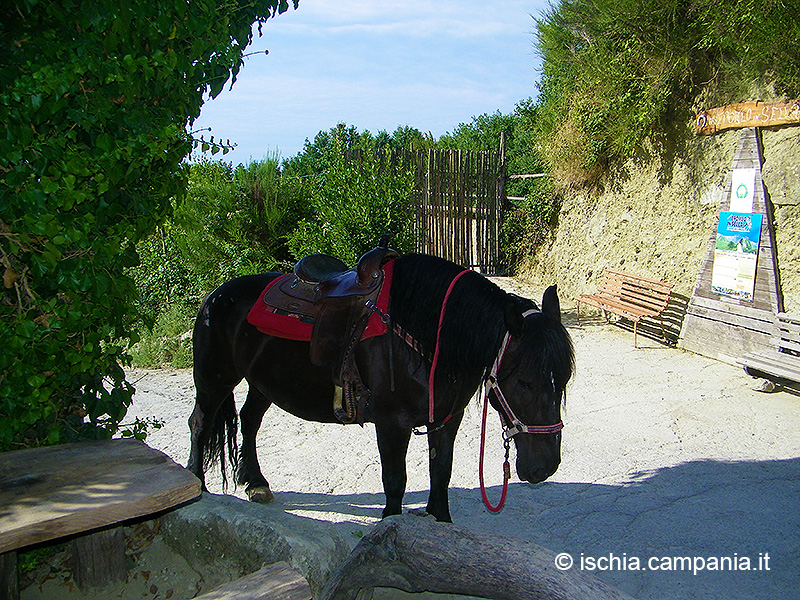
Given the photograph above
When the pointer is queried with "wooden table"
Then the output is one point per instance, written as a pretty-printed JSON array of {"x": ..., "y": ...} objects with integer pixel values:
[{"x": 83, "y": 488}]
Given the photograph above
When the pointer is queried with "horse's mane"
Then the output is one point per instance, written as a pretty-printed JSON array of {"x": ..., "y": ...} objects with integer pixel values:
[
  {"x": 474, "y": 324},
  {"x": 551, "y": 348}
]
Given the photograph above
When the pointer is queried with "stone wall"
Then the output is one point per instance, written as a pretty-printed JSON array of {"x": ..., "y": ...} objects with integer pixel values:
[{"x": 654, "y": 217}]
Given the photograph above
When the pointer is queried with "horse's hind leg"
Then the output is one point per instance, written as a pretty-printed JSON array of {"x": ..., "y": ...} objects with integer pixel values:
[
  {"x": 204, "y": 425},
  {"x": 249, "y": 471}
]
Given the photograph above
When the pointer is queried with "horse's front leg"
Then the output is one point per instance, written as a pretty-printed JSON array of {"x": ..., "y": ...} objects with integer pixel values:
[
  {"x": 440, "y": 464},
  {"x": 393, "y": 447},
  {"x": 249, "y": 471}
]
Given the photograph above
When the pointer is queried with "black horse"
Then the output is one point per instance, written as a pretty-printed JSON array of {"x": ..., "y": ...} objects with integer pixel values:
[{"x": 481, "y": 327}]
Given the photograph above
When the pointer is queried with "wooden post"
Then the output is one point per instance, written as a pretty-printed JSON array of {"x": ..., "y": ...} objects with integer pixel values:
[
  {"x": 726, "y": 328},
  {"x": 9, "y": 581},
  {"x": 99, "y": 558}
]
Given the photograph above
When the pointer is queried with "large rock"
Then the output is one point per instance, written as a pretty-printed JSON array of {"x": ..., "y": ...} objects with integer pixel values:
[{"x": 225, "y": 533}]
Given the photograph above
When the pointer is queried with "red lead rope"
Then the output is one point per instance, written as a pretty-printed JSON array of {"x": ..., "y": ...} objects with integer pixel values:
[
  {"x": 506, "y": 465},
  {"x": 432, "y": 375}
]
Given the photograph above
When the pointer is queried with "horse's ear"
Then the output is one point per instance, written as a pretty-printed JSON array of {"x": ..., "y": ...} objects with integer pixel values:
[
  {"x": 550, "y": 304},
  {"x": 514, "y": 319}
]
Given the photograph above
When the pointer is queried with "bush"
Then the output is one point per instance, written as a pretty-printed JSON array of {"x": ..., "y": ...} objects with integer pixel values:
[
  {"x": 231, "y": 222},
  {"x": 168, "y": 342},
  {"x": 353, "y": 204},
  {"x": 528, "y": 224},
  {"x": 95, "y": 98},
  {"x": 616, "y": 73}
]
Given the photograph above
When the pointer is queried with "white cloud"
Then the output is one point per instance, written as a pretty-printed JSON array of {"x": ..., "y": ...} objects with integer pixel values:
[{"x": 376, "y": 65}]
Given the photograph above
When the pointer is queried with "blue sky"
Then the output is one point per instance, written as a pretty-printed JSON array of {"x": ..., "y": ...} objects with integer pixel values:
[{"x": 376, "y": 64}]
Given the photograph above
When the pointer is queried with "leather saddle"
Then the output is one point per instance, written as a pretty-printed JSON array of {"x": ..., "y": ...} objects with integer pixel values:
[{"x": 338, "y": 301}]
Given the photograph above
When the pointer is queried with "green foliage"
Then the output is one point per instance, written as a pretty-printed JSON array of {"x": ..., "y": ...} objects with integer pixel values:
[
  {"x": 353, "y": 203},
  {"x": 168, "y": 341},
  {"x": 234, "y": 222},
  {"x": 618, "y": 73},
  {"x": 483, "y": 133},
  {"x": 95, "y": 99},
  {"x": 315, "y": 158},
  {"x": 529, "y": 222},
  {"x": 231, "y": 222}
]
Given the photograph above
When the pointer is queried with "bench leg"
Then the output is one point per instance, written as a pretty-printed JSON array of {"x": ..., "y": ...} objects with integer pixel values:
[
  {"x": 9, "y": 580},
  {"x": 635, "y": 324},
  {"x": 99, "y": 558}
]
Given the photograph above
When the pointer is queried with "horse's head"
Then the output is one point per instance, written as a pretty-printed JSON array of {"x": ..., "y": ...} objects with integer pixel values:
[{"x": 531, "y": 378}]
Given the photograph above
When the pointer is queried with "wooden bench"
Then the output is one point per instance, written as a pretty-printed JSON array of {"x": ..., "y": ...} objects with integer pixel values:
[
  {"x": 629, "y": 296},
  {"x": 780, "y": 363},
  {"x": 83, "y": 488}
]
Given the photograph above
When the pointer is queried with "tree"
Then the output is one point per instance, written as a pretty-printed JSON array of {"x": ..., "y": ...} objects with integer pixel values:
[
  {"x": 617, "y": 74},
  {"x": 96, "y": 97},
  {"x": 354, "y": 202}
]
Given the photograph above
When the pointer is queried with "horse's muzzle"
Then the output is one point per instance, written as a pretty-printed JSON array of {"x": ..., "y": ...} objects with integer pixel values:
[{"x": 536, "y": 474}]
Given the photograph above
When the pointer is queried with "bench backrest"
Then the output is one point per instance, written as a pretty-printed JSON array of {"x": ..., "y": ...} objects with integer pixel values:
[
  {"x": 651, "y": 294},
  {"x": 787, "y": 334}
]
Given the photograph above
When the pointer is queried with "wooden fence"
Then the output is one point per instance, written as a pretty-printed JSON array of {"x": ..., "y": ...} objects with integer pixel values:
[{"x": 459, "y": 200}]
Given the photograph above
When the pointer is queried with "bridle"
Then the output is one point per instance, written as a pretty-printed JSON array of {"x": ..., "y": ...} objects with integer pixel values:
[
  {"x": 509, "y": 431},
  {"x": 490, "y": 383},
  {"x": 493, "y": 384}
]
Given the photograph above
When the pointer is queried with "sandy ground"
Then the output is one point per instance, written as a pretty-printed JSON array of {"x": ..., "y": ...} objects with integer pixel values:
[{"x": 678, "y": 478}]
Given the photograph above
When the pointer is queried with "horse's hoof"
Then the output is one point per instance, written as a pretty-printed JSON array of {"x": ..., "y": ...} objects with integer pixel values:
[{"x": 260, "y": 494}]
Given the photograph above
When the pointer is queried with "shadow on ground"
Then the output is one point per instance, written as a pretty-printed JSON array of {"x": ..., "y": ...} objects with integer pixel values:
[{"x": 743, "y": 515}]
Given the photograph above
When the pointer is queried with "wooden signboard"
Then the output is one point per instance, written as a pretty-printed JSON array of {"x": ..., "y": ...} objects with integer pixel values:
[
  {"x": 724, "y": 325},
  {"x": 748, "y": 114}
]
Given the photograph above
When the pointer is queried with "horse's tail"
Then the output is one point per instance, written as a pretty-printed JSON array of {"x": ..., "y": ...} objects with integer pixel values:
[{"x": 223, "y": 436}]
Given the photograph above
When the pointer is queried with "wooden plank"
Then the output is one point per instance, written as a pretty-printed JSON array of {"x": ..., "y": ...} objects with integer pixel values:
[
  {"x": 772, "y": 364},
  {"x": 615, "y": 306},
  {"x": 748, "y": 114},
  {"x": 719, "y": 339},
  {"x": 626, "y": 275},
  {"x": 731, "y": 318},
  {"x": 278, "y": 581},
  {"x": 730, "y": 312},
  {"x": 47, "y": 493}
]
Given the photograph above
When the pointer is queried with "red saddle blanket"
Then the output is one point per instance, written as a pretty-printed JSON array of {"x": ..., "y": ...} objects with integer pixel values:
[{"x": 290, "y": 327}]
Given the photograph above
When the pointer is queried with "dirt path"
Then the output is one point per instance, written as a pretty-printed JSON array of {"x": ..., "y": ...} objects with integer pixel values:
[{"x": 678, "y": 479}]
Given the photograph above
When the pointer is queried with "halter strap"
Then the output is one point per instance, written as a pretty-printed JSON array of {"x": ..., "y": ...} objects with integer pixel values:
[
  {"x": 492, "y": 384},
  {"x": 508, "y": 432}
]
